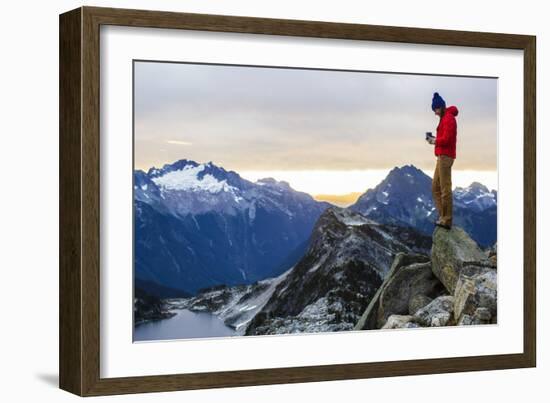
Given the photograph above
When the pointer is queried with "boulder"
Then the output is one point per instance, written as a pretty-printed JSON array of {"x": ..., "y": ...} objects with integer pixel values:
[
  {"x": 418, "y": 301},
  {"x": 369, "y": 319},
  {"x": 458, "y": 286},
  {"x": 451, "y": 250},
  {"x": 476, "y": 289},
  {"x": 482, "y": 316},
  {"x": 400, "y": 322},
  {"x": 406, "y": 283},
  {"x": 439, "y": 312},
  {"x": 409, "y": 275}
]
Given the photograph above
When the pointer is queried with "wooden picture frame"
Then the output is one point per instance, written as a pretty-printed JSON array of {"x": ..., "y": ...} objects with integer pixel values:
[{"x": 79, "y": 281}]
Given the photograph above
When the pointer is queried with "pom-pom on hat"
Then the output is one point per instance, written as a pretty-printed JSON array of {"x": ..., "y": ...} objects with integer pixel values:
[{"x": 437, "y": 101}]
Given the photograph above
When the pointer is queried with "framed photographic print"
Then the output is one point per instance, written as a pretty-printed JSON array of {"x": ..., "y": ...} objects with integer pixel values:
[{"x": 249, "y": 201}]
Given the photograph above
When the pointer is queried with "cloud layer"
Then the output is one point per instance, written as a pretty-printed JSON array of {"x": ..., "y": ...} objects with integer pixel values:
[{"x": 263, "y": 119}]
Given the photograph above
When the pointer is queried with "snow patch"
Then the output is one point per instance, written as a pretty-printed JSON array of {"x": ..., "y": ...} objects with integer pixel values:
[
  {"x": 351, "y": 219},
  {"x": 321, "y": 261},
  {"x": 252, "y": 212},
  {"x": 187, "y": 179},
  {"x": 356, "y": 221}
]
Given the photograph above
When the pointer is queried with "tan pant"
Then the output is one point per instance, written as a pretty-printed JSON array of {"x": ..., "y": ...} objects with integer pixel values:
[{"x": 442, "y": 189}]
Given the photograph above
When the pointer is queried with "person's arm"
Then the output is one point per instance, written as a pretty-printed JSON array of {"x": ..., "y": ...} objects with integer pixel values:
[{"x": 446, "y": 134}]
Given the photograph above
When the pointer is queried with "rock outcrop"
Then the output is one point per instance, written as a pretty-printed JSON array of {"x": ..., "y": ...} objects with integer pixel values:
[
  {"x": 410, "y": 276},
  {"x": 439, "y": 312},
  {"x": 477, "y": 289},
  {"x": 456, "y": 286},
  {"x": 347, "y": 259},
  {"x": 451, "y": 250},
  {"x": 418, "y": 301}
]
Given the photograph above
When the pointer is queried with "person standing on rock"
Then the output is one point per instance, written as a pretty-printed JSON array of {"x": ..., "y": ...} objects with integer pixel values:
[{"x": 445, "y": 152}]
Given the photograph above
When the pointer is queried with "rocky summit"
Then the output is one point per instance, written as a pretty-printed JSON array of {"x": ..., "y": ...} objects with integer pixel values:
[
  {"x": 456, "y": 285},
  {"x": 347, "y": 259}
]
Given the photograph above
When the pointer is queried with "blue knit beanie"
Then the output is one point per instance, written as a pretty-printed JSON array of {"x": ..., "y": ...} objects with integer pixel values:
[{"x": 437, "y": 102}]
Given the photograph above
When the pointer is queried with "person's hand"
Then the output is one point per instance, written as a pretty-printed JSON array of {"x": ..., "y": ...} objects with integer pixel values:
[{"x": 431, "y": 140}]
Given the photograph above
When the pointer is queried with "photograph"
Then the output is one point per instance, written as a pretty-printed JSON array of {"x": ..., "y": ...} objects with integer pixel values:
[{"x": 282, "y": 200}]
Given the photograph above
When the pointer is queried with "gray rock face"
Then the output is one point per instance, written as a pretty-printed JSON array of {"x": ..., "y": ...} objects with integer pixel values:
[
  {"x": 439, "y": 312},
  {"x": 458, "y": 287},
  {"x": 476, "y": 289},
  {"x": 452, "y": 250},
  {"x": 482, "y": 316},
  {"x": 406, "y": 283},
  {"x": 409, "y": 277},
  {"x": 417, "y": 302}
]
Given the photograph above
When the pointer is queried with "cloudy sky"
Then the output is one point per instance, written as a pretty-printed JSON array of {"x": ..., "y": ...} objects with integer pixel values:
[{"x": 324, "y": 131}]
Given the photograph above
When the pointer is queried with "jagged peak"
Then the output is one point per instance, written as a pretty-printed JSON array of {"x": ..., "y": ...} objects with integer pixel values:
[
  {"x": 406, "y": 169},
  {"x": 187, "y": 164},
  {"x": 407, "y": 175},
  {"x": 478, "y": 186}
]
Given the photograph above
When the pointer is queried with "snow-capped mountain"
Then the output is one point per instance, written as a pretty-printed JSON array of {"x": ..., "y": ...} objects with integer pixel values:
[
  {"x": 328, "y": 289},
  {"x": 198, "y": 225},
  {"x": 476, "y": 197},
  {"x": 404, "y": 198},
  {"x": 187, "y": 187}
]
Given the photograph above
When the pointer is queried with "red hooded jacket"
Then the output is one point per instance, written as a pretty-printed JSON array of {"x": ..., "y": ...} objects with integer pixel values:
[{"x": 445, "y": 139}]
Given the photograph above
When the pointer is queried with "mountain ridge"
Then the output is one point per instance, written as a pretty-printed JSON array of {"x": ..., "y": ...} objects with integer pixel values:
[
  {"x": 404, "y": 198},
  {"x": 198, "y": 225}
]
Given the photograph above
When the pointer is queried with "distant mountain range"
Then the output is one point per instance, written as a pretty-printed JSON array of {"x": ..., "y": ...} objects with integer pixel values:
[
  {"x": 404, "y": 198},
  {"x": 199, "y": 226}
]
